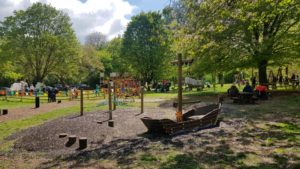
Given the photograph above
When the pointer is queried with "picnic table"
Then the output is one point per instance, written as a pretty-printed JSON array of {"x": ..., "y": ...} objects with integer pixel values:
[{"x": 244, "y": 98}]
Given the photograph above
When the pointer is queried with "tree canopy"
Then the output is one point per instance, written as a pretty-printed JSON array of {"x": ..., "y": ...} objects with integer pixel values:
[
  {"x": 145, "y": 46},
  {"x": 245, "y": 33},
  {"x": 96, "y": 39},
  {"x": 40, "y": 40}
]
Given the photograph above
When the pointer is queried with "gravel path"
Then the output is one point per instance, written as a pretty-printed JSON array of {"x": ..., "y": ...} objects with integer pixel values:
[{"x": 19, "y": 113}]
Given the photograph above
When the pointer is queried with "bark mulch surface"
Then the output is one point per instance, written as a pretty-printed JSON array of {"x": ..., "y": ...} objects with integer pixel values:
[
  {"x": 45, "y": 137},
  {"x": 127, "y": 125}
]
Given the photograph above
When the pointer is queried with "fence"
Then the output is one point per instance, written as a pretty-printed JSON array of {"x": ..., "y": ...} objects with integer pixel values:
[{"x": 61, "y": 95}]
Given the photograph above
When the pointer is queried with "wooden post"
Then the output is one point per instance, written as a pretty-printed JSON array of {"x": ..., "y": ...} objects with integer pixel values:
[
  {"x": 142, "y": 99},
  {"x": 37, "y": 102},
  {"x": 115, "y": 97},
  {"x": 81, "y": 102},
  {"x": 4, "y": 112},
  {"x": 82, "y": 142},
  {"x": 179, "y": 107},
  {"x": 109, "y": 101}
]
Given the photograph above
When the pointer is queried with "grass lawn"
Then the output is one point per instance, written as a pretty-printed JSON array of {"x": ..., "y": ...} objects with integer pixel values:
[{"x": 13, "y": 104}]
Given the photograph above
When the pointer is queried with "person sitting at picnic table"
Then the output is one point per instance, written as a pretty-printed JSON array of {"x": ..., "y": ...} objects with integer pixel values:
[
  {"x": 233, "y": 91},
  {"x": 261, "y": 92},
  {"x": 248, "y": 88}
]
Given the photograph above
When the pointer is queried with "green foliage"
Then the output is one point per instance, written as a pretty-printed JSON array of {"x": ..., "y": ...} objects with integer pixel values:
[
  {"x": 118, "y": 63},
  {"x": 145, "y": 46},
  {"x": 39, "y": 40},
  {"x": 9, "y": 71},
  {"x": 90, "y": 65},
  {"x": 231, "y": 34}
]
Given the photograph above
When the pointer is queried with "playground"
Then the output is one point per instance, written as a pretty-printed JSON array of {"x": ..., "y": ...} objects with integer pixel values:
[
  {"x": 264, "y": 135},
  {"x": 127, "y": 84}
]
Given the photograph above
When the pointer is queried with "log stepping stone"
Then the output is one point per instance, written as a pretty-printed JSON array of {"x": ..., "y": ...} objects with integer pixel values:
[
  {"x": 111, "y": 123},
  {"x": 71, "y": 141},
  {"x": 61, "y": 135},
  {"x": 82, "y": 142}
]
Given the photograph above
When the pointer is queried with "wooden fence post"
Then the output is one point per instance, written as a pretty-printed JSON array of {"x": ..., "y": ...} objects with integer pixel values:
[
  {"x": 115, "y": 97},
  {"x": 142, "y": 99},
  {"x": 109, "y": 101},
  {"x": 81, "y": 102}
]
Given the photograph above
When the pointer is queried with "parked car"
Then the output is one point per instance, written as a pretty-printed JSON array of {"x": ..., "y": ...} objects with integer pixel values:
[
  {"x": 59, "y": 87},
  {"x": 83, "y": 86}
]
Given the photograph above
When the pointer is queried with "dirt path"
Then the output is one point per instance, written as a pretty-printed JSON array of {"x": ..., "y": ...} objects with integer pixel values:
[{"x": 23, "y": 112}]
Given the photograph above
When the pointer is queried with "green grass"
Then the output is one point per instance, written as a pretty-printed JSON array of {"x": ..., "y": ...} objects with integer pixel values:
[
  {"x": 180, "y": 161},
  {"x": 9, "y": 104}
]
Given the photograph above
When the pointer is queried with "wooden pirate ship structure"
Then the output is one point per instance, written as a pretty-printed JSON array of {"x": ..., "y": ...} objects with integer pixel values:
[{"x": 200, "y": 117}]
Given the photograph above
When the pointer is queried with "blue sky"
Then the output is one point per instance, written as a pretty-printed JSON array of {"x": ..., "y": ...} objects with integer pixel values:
[
  {"x": 146, "y": 5},
  {"x": 109, "y": 17},
  {"x": 149, "y": 5}
]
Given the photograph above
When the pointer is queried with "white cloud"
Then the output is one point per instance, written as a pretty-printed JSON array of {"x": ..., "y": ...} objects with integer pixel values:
[{"x": 106, "y": 16}]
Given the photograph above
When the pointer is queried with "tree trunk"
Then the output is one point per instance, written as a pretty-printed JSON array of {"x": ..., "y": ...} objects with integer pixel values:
[{"x": 262, "y": 71}]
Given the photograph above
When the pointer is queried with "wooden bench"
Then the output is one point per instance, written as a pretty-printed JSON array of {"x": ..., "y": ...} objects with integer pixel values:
[{"x": 244, "y": 98}]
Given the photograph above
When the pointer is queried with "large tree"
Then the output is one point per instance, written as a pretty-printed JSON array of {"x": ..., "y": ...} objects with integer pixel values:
[
  {"x": 244, "y": 33},
  {"x": 145, "y": 46},
  {"x": 39, "y": 40},
  {"x": 96, "y": 39}
]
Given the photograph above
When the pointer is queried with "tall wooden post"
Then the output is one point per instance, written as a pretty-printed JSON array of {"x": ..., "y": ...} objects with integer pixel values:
[
  {"x": 109, "y": 101},
  {"x": 179, "y": 107},
  {"x": 115, "y": 97},
  {"x": 142, "y": 99},
  {"x": 81, "y": 102}
]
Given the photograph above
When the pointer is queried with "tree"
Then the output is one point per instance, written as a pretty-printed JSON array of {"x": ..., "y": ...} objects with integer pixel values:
[
  {"x": 39, "y": 40},
  {"x": 118, "y": 63},
  {"x": 96, "y": 39},
  {"x": 244, "y": 33},
  {"x": 145, "y": 46},
  {"x": 90, "y": 65}
]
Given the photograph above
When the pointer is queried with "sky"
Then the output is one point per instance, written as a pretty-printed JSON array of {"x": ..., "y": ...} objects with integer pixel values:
[{"x": 109, "y": 17}]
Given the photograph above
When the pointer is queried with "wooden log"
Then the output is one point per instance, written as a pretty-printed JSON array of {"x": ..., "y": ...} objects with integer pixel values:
[
  {"x": 61, "y": 135},
  {"x": 71, "y": 141},
  {"x": 4, "y": 112},
  {"x": 82, "y": 142},
  {"x": 72, "y": 138},
  {"x": 111, "y": 123}
]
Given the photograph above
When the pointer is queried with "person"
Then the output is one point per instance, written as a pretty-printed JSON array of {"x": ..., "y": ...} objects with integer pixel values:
[
  {"x": 31, "y": 88},
  {"x": 297, "y": 81},
  {"x": 233, "y": 91},
  {"x": 248, "y": 88},
  {"x": 293, "y": 80},
  {"x": 253, "y": 81},
  {"x": 97, "y": 90},
  {"x": 49, "y": 91},
  {"x": 261, "y": 92}
]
